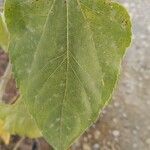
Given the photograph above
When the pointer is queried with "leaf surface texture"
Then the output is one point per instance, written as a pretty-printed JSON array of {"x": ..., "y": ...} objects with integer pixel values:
[{"x": 66, "y": 57}]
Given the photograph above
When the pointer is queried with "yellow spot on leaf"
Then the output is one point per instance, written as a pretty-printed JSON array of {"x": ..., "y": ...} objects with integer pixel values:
[{"x": 4, "y": 135}]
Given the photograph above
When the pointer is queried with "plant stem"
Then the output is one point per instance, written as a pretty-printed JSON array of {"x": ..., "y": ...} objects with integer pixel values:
[
  {"x": 4, "y": 80},
  {"x": 18, "y": 143}
]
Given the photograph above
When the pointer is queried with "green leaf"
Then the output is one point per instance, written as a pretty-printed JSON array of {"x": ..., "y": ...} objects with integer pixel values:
[
  {"x": 16, "y": 120},
  {"x": 4, "y": 34},
  {"x": 66, "y": 58}
]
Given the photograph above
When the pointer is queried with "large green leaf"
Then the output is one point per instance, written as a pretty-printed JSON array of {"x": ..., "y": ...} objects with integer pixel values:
[
  {"x": 4, "y": 34},
  {"x": 66, "y": 56}
]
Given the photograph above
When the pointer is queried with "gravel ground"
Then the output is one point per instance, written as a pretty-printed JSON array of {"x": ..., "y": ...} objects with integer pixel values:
[{"x": 125, "y": 123}]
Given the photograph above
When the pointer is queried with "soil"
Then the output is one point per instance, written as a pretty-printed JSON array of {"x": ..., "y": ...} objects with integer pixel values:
[{"x": 125, "y": 123}]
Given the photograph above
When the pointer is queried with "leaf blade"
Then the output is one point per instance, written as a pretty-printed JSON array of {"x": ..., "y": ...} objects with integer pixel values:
[{"x": 70, "y": 57}]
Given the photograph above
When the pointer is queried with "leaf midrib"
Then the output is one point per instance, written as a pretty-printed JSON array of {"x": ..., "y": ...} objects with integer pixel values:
[{"x": 67, "y": 67}]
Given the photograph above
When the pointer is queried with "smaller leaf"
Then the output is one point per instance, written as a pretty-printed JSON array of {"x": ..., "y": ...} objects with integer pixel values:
[
  {"x": 4, "y": 135},
  {"x": 4, "y": 34},
  {"x": 16, "y": 120}
]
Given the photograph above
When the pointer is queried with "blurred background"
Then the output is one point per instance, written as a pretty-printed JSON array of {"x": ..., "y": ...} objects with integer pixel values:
[{"x": 125, "y": 123}]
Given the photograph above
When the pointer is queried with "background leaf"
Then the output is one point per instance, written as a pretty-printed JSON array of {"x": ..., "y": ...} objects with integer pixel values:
[
  {"x": 16, "y": 120},
  {"x": 4, "y": 34},
  {"x": 66, "y": 57}
]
